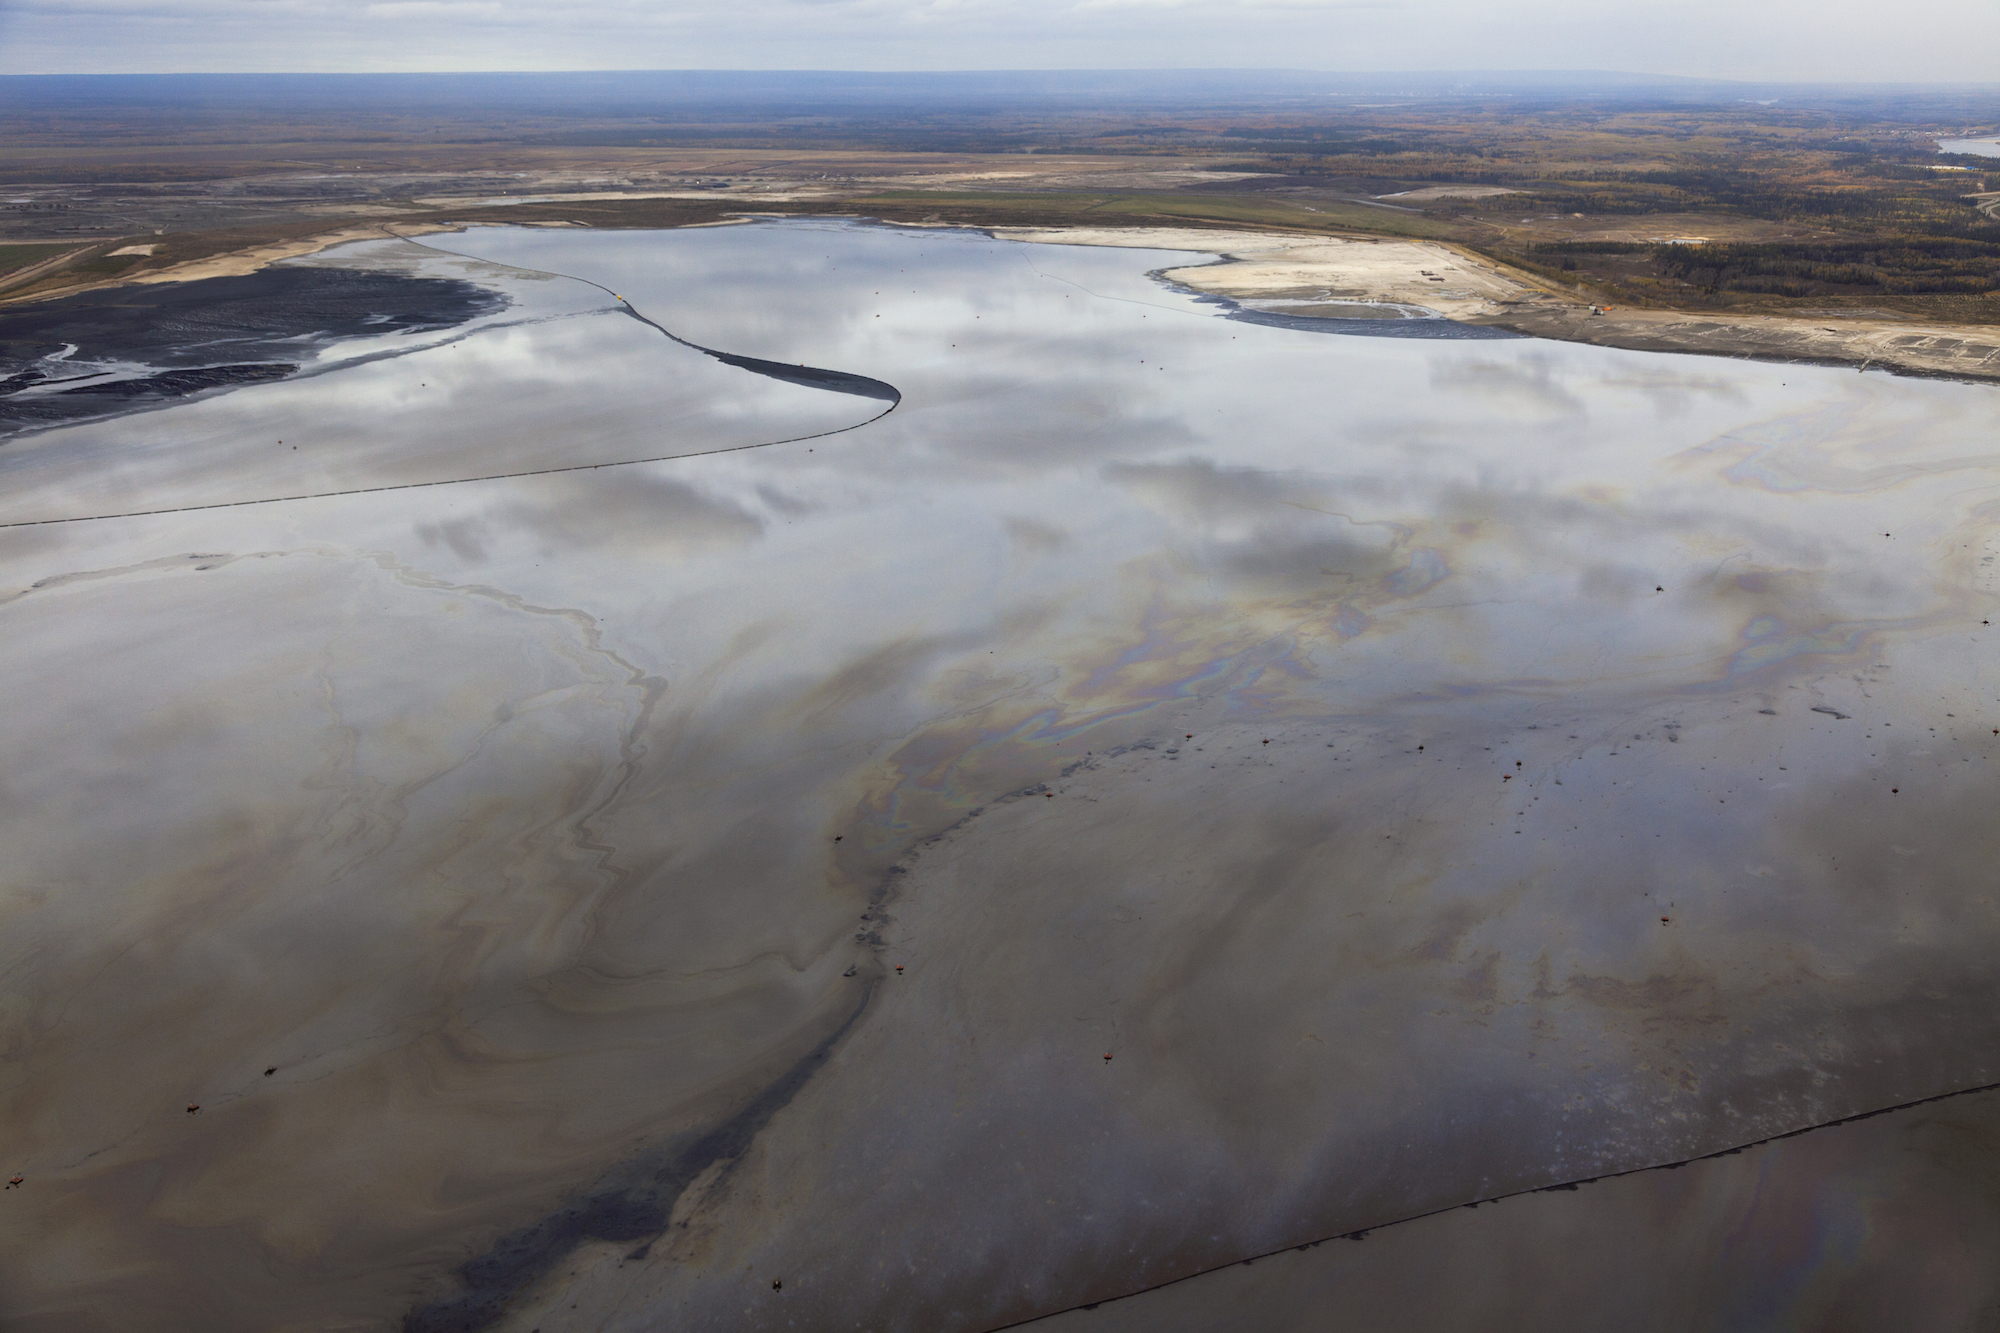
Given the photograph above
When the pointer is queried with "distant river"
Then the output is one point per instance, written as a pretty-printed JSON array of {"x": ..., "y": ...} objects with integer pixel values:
[{"x": 1976, "y": 147}]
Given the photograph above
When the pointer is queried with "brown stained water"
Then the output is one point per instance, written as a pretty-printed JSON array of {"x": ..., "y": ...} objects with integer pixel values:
[{"x": 1428, "y": 769}]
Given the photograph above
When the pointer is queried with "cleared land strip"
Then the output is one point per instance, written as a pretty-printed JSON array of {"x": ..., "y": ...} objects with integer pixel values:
[{"x": 21, "y": 277}]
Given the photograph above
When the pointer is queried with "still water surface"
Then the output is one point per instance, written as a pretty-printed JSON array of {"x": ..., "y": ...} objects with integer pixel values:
[{"x": 1303, "y": 780}]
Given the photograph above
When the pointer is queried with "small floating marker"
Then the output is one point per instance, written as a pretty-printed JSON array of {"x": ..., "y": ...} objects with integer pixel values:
[
  {"x": 1107, "y": 1057},
  {"x": 899, "y": 967},
  {"x": 1665, "y": 919}
]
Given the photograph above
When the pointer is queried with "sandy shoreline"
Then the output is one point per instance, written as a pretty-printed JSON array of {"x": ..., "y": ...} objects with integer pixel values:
[{"x": 1310, "y": 275}]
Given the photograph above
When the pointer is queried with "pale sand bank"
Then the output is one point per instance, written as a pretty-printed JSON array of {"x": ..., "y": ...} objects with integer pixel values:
[{"x": 1271, "y": 266}]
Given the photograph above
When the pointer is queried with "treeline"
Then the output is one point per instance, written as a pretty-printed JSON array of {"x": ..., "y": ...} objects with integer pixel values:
[
  {"x": 1890, "y": 266},
  {"x": 1931, "y": 204},
  {"x": 1893, "y": 188},
  {"x": 1316, "y": 144},
  {"x": 1903, "y": 266}
]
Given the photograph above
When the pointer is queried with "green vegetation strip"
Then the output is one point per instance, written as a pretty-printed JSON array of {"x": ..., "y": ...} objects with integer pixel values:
[{"x": 20, "y": 256}]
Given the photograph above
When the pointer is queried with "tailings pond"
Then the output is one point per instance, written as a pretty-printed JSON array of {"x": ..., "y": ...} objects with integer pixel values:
[{"x": 816, "y": 775}]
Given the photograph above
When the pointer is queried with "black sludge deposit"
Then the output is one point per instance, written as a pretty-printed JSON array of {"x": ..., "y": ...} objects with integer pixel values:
[
  {"x": 176, "y": 383},
  {"x": 100, "y": 352}
]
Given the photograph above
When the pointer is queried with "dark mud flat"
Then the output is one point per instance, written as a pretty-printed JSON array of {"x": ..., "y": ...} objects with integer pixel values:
[
  {"x": 98, "y": 396},
  {"x": 204, "y": 334}
]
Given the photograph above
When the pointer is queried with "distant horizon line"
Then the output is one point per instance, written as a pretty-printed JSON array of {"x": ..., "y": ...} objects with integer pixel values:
[{"x": 1245, "y": 71}]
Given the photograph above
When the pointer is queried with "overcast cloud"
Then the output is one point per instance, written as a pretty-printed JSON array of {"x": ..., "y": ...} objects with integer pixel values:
[{"x": 1918, "y": 40}]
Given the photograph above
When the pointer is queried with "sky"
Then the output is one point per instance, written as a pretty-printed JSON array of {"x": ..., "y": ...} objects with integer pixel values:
[{"x": 1804, "y": 40}]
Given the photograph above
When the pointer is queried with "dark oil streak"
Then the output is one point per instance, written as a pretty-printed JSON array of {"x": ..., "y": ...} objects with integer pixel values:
[{"x": 633, "y": 1205}]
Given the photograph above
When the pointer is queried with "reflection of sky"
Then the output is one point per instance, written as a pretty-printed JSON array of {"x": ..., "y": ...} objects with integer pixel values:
[
  {"x": 554, "y": 765},
  {"x": 1525, "y": 500}
]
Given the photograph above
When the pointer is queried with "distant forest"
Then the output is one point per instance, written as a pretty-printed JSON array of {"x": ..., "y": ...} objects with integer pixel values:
[{"x": 1789, "y": 192}]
